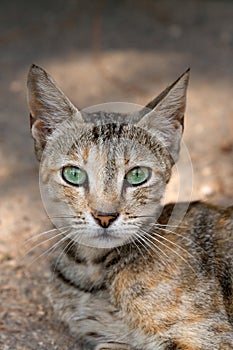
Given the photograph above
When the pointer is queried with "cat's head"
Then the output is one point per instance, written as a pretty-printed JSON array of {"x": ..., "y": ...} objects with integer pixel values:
[{"x": 104, "y": 172}]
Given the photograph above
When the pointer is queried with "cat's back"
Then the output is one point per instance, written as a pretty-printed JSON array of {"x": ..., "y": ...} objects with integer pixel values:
[
  {"x": 212, "y": 228},
  {"x": 209, "y": 227},
  {"x": 209, "y": 221}
]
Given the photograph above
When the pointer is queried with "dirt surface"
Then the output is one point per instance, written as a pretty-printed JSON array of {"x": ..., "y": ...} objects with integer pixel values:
[{"x": 98, "y": 52}]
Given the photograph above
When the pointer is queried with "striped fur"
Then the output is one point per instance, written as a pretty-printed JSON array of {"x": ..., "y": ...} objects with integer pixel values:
[{"x": 144, "y": 282}]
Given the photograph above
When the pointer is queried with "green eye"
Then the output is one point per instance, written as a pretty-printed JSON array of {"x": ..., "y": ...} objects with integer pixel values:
[
  {"x": 137, "y": 176},
  {"x": 74, "y": 175}
]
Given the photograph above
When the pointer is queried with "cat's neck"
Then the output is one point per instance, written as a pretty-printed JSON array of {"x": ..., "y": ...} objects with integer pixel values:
[{"x": 90, "y": 254}]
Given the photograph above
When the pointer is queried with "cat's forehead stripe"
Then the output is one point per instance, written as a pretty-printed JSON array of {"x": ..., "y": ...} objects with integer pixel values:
[
  {"x": 73, "y": 155},
  {"x": 85, "y": 154},
  {"x": 109, "y": 136},
  {"x": 102, "y": 133}
]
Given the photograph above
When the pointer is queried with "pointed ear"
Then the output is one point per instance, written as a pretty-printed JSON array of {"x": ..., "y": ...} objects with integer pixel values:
[
  {"x": 165, "y": 120},
  {"x": 48, "y": 107}
]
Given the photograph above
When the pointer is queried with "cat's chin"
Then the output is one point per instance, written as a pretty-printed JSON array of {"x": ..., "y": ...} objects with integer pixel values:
[{"x": 104, "y": 241}]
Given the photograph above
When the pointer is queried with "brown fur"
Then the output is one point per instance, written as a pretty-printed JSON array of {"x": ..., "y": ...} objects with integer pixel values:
[{"x": 127, "y": 276}]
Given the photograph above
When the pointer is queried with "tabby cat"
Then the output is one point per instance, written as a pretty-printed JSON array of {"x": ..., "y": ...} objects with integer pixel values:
[{"x": 126, "y": 276}]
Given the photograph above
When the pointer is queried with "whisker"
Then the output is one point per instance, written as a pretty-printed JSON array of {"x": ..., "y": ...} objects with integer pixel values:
[
  {"x": 155, "y": 249},
  {"x": 43, "y": 234},
  {"x": 137, "y": 239},
  {"x": 172, "y": 250},
  {"x": 169, "y": 241},
  {"x": 172, "y": 226},
  {"x": 188, "y": 239},
  {"x": 152, "y": 245},
  {"x": 146, "y": 245},
  {"x": 51, "y": 249},
  {"x": 156, "y": 223},
  {"x": 45, "y": 241},
  {"x": 165, "y": 245},
  {"x": 67, "y": 247},
  {"x": 134, "y": 241},
  {"x": 163, "y": 227}
]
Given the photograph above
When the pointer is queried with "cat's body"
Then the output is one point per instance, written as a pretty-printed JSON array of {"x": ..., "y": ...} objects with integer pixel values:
[
  {"x": 128, "y": 275},
  {"x": 122, "y": 296}
]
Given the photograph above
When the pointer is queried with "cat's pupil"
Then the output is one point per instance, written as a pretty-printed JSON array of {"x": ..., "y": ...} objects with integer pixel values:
[{"x": 137, "y": 173}]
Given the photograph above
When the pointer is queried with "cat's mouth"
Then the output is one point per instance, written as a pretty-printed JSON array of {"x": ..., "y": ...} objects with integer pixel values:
[
  {"x": 106, "y": 234},
  {"x": 105, "y": 238}
]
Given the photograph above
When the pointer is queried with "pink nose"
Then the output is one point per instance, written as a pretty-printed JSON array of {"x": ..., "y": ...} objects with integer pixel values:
[{"x": 104, "y": 219}]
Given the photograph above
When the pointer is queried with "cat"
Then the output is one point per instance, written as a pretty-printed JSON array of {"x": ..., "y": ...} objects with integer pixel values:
[{"x": 124, "y": 277}]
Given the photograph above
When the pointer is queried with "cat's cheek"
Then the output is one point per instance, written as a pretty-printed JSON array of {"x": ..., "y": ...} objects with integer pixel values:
[
  {"x": 143, "y": 202},
  {"x": 48, "y": 172},
  {"x": 75, "y": 198}
]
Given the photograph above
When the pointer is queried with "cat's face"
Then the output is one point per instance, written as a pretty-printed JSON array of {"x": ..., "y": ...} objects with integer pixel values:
[
  {"x": 105, "y": 183},
  {"x": 103, "y": 180}
]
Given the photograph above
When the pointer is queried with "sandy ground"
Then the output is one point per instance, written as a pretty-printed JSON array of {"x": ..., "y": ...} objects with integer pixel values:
[{"x": 98, "y": 52}]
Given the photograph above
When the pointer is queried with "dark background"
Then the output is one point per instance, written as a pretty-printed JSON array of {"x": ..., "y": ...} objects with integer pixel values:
[{"x": 103, "y": 51}]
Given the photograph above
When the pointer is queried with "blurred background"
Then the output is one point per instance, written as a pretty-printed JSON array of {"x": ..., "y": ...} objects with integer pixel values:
[{"x": 104, "y": 51}]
